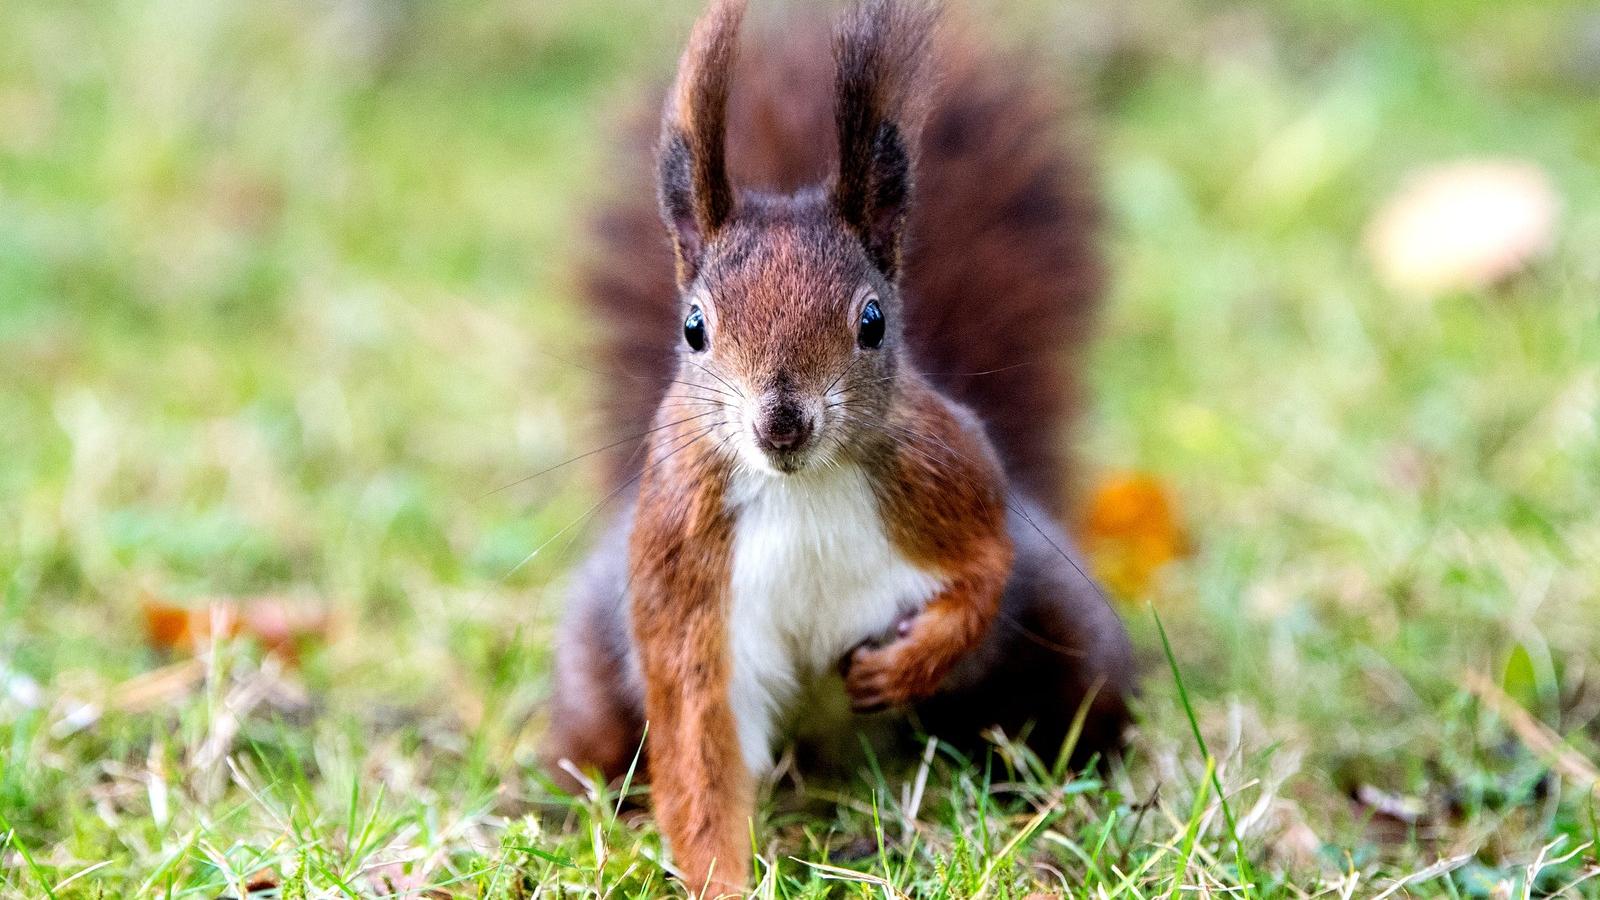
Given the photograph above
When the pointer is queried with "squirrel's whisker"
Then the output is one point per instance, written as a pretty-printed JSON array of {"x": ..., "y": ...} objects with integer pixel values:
[
  {"x": 631, "y": 375},
  {"x": 692, "y": 402},
  {"x": 611, "y": 446},
  {"x": 840, "y": 377},
  {"x": 700, "y": 432},
  {"x": 717, "y": 377},
  {"x": 705, "y": 387}
]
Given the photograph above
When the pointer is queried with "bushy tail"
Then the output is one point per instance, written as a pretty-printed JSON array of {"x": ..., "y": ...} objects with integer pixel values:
[{"x": 1001, "y": 269}]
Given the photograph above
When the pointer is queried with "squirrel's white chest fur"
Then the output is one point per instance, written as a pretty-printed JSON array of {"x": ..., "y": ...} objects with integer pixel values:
[{"x": 813, "y": 574}]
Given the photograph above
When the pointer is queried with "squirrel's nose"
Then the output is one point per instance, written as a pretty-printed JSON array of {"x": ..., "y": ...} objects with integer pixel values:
[{"x": 785, "y": 429}]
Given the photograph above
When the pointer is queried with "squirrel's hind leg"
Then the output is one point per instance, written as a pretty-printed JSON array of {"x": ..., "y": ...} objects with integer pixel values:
[{"x": 596, "y": 718}]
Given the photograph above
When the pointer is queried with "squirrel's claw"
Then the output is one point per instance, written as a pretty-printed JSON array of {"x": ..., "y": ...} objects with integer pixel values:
[
  {"x": 874, "y": 677},
  {"x": 867, "y": 679}
]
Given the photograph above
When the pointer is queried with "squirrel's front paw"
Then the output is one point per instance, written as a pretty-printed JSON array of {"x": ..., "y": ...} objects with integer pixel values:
[{"x": 875, "y": 678}]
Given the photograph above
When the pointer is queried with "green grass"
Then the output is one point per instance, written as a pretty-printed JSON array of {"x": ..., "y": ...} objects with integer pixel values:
[{"x": 285, "y": 290}]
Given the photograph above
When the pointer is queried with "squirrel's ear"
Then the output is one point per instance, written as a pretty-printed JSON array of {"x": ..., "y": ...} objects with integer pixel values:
[
  {"x": 879, "y": 50},
  {"x": 696, "y": 196}
]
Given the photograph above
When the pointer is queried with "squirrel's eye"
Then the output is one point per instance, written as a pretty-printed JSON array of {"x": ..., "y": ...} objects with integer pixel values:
[
  {"x": 694, "y": 329},
  {"x": 871, "y": 333}
]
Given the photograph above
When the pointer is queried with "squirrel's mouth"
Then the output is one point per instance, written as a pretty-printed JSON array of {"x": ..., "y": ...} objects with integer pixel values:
[
  {"x": 779, "y": 460},
  {"x": 788, "y": 461},
  {"x": 783, "y": 435}
]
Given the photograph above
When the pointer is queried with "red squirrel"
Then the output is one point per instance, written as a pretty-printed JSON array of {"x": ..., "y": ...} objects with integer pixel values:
[{"x": 871, "y": 287}]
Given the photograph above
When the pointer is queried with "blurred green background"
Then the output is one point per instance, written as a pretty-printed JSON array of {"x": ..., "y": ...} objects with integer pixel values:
[{"x": 286, "y": 289}]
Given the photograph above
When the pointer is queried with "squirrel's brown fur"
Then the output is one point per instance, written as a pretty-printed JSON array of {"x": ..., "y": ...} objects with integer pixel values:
[
  {"x": 1002, "y": 272},
  {"x": 849, "y": 454}
]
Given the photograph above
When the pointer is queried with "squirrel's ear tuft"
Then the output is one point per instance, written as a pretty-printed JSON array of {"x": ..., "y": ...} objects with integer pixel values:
[
  {"x": 879, "y": 50},
  {"x": 696, "y": 196}
]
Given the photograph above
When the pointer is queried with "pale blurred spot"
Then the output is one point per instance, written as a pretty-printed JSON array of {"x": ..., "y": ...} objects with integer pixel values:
[{"x": 1464, "y": 226}]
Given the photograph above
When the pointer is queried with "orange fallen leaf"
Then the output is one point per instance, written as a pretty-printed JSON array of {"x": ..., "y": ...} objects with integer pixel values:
[
  {"x": 278, "y": 625},
  {"x": 1131, "y": 530},
  {"x": 166, "y": 626}
]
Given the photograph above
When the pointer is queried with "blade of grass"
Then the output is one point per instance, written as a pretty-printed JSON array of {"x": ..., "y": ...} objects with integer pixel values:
[
  {"x": 27, "y": 857},
  {"x": 627, "y": 779},
  {"x": 1069, "y": 744},
  {"x": 1442, "y": 867},
  {"x": 1011, "y": 845},
  {"x": 1197, "y": 814},
  {"x": 1246, "y": 876}
]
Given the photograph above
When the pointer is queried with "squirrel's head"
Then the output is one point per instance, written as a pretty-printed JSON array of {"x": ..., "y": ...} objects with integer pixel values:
[{"x": 791, "y": 306}]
